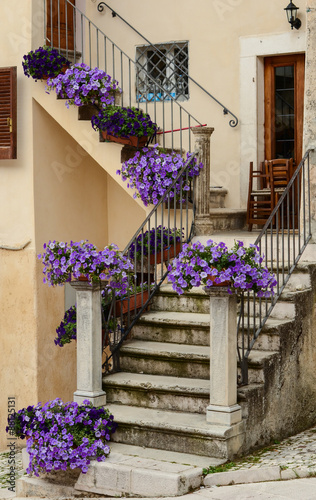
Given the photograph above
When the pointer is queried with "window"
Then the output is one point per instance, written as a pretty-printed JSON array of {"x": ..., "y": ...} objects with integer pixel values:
[
  {"x": 162, "y": 72},
  {"x": 7, "y": 113}
]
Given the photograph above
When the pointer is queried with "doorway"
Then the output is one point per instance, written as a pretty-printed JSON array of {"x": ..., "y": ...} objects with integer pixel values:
[
  {"x": 60, "y": 24},
  {"x": 284, "y": 106}
]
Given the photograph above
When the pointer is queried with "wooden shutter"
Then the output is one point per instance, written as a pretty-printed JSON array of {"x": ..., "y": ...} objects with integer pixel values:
[{"x": 8, "y": 121}]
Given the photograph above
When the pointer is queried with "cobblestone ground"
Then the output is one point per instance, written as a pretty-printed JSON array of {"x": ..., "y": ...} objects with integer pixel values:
[{"x": 292, "y": 453}]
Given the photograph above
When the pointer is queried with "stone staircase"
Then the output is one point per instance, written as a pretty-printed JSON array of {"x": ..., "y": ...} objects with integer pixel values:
[{"x": 160, "y": 397}]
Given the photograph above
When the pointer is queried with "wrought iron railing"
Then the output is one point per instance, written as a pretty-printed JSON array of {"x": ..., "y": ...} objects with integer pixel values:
[
  {"x": 282, "y": 242},
  {"x": 176, "y": 66},
  {"x": 79, "y": 39},
  {"x": 167, "y": 227}
]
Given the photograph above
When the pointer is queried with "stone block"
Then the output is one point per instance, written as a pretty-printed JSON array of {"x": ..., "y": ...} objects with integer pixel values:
[
  {"x": 113, "y": 476},
  {"x": 29, "y": 486},
  {"x": 255, "y": 475}
]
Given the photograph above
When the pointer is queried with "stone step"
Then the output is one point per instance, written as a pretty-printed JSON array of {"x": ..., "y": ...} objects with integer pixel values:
[
  {"x": 165, "y": 326},
  {"x": 194, "y": 301},
  {"x": 133, "y": 471},
  {"x": 197, "y": 301},
  {"x": 175, "y": 327},
  {"x": 176, "y": 360},
  {"x": 159, "y": 358},
  {"x": 227, "y": 219},
  {"x": 259, "y": 363},
  {"x": 282, "y": 309},
  {"x": 129, "y": 470},
  {"x": 269, "y": 337},
  {"x": 217, "y": 196},
  {"x": 157, "y": 391},
  {"x": 173, "y": 431}
]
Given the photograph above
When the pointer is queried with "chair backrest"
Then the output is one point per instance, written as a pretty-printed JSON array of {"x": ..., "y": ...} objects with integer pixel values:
[
  {"x": 259, "y": 179},
  {"x": 280, "y": 170}
]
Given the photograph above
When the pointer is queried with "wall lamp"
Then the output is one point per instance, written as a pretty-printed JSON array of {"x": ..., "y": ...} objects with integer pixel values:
[{"x": 291, "y": 12}]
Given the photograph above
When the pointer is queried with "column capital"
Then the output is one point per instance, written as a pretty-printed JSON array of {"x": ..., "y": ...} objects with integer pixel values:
[
  {"x": 83, "y": 286},
  {"x": 217, "y": 291},
  {"x": 203, "y": 131}
]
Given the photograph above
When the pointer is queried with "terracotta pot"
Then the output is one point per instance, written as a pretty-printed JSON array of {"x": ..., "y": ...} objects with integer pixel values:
[
  {"x": 63, "y": 70},
  {"x": 122, "y": 307},
  {"x": 137, "y": 142},
  {"x": 212, "y": 278},
  {"x": 82, "y": 277},
  {"x": 167, "y": 252}
]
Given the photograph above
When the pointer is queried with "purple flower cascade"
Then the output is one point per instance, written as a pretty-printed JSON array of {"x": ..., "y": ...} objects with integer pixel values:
[
  {"x": 124, "y": 122},
  {"x": 43, "y": 62},
  {"x": 150, "y": 172},
  {"x": 62, "y": 261},
  {"x": 67, "y": 330},
  {"x": 241, "y": 266},
  {"x": 83, "y": 85},
  {"x": 63, "y": 435}
]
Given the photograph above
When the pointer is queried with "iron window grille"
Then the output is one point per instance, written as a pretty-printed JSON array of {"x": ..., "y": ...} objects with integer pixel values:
[{"x": 162, "y": 72}]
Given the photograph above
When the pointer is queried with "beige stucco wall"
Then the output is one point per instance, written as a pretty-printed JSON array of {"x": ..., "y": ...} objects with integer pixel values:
[
  {"x": 214, "y": 29},
  {"x": 18, "y": 357},
  {"x": 54, "y": 190}
]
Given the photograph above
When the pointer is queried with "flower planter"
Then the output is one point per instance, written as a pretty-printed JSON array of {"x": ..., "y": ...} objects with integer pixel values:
[
  {"x": 168, "y": 253},
  {"x": 223, "y": 283},
  {"x": 82, "y": 277},
  {"x": 135, "y": 301},
  {"x": 137, "y": 142},
  {"x": 63, "y": 70}
]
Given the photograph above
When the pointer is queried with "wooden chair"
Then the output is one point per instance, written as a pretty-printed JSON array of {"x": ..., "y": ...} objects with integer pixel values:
[
  {"x": 280, "y": 171},
  {"x": 260, "y": 196}
]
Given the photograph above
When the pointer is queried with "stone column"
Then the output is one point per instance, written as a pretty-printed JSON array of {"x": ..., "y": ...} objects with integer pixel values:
[
  {"x": 202, "y": 145},
  {"x": 89, "y": 343},
  {"x": 309, "y": 139},
  {"x": 223, "y": 408}
]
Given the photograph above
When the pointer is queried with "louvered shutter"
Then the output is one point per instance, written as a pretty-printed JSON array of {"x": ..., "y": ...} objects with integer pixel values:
[{"x": 8, "y": 120}]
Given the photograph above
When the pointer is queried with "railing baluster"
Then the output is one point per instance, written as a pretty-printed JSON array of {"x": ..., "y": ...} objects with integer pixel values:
[
  {"x": 74, "y": 34},
  {"x": 82, "y": 37},
  {"x": 90, "y": 49},
  {"x": 113, "y": 61},
  {"x": 105, "y": 58},
  {"x": 58, "y": 22},
  {"x": 51, "y": 24},
  {"x": 97, "y": 42},
  {"x": 66, "y": 22},
  {"x": 130, "y": 84},
  {"x": 309, "y": 197},
  {"x": 45, "y": 22}
]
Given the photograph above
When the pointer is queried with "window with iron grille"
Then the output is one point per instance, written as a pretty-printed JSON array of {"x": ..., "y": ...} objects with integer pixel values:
[{"x": 162, "y": 72}]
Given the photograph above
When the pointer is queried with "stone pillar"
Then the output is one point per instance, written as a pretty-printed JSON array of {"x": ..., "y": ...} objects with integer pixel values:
[
  {"x": 309, "y": 139},
  {"x": 202, "y": 145},
  {"x": 89, "y": 343},
  {"x": 223, "y": 408}
]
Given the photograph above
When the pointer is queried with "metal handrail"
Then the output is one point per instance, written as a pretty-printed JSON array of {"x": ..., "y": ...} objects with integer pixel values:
[
  {"x": 94, "y": 46},
  {"x": 281, "y": 243},
  {"x": 149, "y": 268},
  {"x": 233, "y": 123}
]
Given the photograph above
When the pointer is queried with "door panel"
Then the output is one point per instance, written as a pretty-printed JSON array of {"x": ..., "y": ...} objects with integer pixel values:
[
  {"x": 284, "y": 104},
  {"x": 60, "y": 15}
]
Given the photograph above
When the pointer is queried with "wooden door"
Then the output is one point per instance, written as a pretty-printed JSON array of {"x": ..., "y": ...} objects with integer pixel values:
[
  {"x": 284, "y": 106},
  {"x": 60, "y": 16}
]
